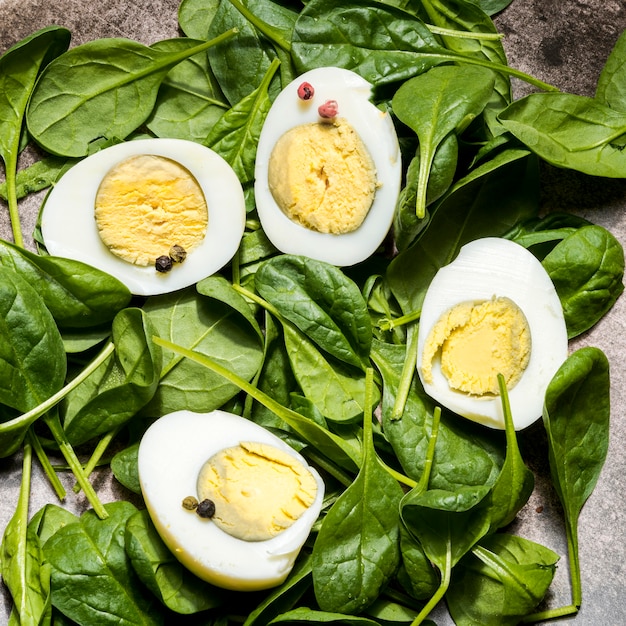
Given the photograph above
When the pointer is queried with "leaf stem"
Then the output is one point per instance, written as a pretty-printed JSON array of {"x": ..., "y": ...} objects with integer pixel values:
[
  {"x": 408, "y": 370},
  {"x": 389, "y": 324},
  {"x": 96, "y": 455},
  {"x": 48, "y": 469},
  {"x": 273, "y": 34},
  {"x": 463, "y": 34},
  {"x": 58, "y": 433},
  {"x": 430, "y": 452}
]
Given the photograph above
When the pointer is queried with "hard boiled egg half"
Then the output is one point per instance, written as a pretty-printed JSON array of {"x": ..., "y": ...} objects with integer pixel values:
[
  {"x": 233, "y": 502},
  {"x": 493, "y": 310},
  {"x": 328, "y": 169},
  {"x": 157, "y": 214}
]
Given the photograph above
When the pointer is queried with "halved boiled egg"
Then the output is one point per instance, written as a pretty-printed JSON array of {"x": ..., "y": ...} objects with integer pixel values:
[
  {"x": 231, "y": 500},
  {"x": 493, "y": 310},
  {"x": 157, "y": 214},
  {"x": 328, "y": 169}
]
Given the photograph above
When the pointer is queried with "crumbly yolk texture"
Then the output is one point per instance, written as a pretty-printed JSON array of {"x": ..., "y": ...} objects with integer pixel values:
[
  {"x": 476, "y": 342},
  {"x": 258, "y": 490},
  {"x": 322, "y": 176},
  {"x": 145, "y": 205}
]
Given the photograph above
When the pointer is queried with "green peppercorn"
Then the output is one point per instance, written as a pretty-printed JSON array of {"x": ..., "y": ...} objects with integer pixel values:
[
  {"x": 190, "y": 503},
  {"x": 177, "y": 253}
]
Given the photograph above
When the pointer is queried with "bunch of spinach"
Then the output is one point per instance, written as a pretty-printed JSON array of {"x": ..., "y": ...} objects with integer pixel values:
[{"x": 416, "y": 498}]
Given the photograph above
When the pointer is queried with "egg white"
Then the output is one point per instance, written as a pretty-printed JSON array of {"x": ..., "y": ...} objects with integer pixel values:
[
  {"x": 376, "y": 131},
  {"x": 171, "y": 454},
  {"x": 69, "y": 228},
  {"x": 483, "y": 269}
]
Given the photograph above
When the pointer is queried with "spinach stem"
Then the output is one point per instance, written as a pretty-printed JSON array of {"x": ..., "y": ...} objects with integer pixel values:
[
  {"x": 10, "y": 176},
  {"x": 389, "y": 324},
  {"x": 422, "y": 486},
  {"x": 273, "y": 34},
  {"x": 54, "y": 424},
  {"x": 96, "y": 455},
  {"x": 330, "y": 468},
  {"x": 498, "y": 67},
  {"x": 543, "y": 616},
  {"x": 44, "y": 461},
  {"x": 463, "y": 34},
  {"x": 408, "y": 370}
]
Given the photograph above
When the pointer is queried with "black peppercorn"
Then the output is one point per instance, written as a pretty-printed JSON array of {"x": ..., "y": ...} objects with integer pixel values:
[
  {"x": 163, "y": 264},
  {"x": 206, "y": 508}
]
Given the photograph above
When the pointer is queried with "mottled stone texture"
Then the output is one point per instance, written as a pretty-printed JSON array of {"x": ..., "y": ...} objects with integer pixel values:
[{"x": 563, "y": 42}]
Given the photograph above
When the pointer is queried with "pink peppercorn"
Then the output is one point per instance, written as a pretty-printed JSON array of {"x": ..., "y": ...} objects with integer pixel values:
[
  {"x": 305, "y": 91},
  {"x": 329, "y": 109}
]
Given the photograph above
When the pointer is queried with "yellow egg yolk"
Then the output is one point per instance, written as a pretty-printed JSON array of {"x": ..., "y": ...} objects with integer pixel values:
[
  {"x": 476, "y": 342},
  {"x": 258, "y": 490},
  {"x": 322, "y": 176},
  {"x": 147, "y": 204}
]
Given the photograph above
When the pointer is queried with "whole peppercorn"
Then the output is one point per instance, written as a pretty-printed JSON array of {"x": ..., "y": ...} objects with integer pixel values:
[
  {"x": 177, "y": 253},
  {"x": 206, "y": 508},
  {"x": 305, "y": 91},
  {"x": 329, "y": 109},
  {"x": 190, "y": 503},
  {"x": 163, "y": 264}
]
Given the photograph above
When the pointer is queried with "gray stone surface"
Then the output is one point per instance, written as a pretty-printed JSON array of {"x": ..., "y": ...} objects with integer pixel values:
[{"x": 564, "y": 42}]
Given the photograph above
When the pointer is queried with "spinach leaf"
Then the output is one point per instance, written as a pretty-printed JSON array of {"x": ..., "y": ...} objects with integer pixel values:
[
  {"x": 491, "y": 7},
  {"x": 103, "y": 88},
  {"x": 121, "y": 386},
  {"x": 211, "y": 328},
  {"x": 416, "y": 574},
  {"x": 356, "y": 551},
  {"x": 236, "y": 133},
  {"x": 337, "y": 390},
  {"x": 124, "y": 468},
  {"x": 32, "y": 359},
  {"x": 77, "y": 295},
  {"x": 570, "y": 131},
  {"x": 189, "y": 101},
  {"x": 195, "y": 17},
  {"x": 322, "y": 302},
  {"x": 436, "y": 103},
  {"x": 587, "y": 269},
  {"x": 303, "y": 615},
  {"x": 463, "y": 16},
  {"x": 20, "y": 67},
  {"x": 22, "y": 563},
  {"x": 407, "y": 225},
  {"x": 162, "y": 573},
  {"x": 576, "y": 418},
  {"x": 376, "y": 40},
  {"x": 448, "y": 524},
  {"x": 503, "y": 579},
  {"x": 239, "y": 64},
  {"x": 40, "y": 175},
  {"x": 93, "y": 581},
  {"x": 611, "y": 88}
]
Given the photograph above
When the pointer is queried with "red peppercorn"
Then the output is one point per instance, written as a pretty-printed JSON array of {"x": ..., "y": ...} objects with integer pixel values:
[
  {"x": 329, "y": 109},
  {"x": 305, "y": 91}
]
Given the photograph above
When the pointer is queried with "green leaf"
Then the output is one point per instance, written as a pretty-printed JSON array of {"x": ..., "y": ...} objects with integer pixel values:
[
  {"x": 195, "y": 17},
  {"x": 121, "y": 386},
  {"x": 357, "y": 548},
  {"x": 92, "y": 579},
  {"x": 570, "y": 131},
  {"x": 76, "y": 294},
  {"x": 322, "y": 302},
  {"x": 211, "y": 328},
  {"x": 611, "y": 88},
  {"x": 436, "y": 103},
  {"x": 163, "y": 574},
  {"x": 124, "y": 468},
  {"x": 576, "y": 418},
  {"x": 20, "y": 66},
  {"x": 587, "y": 269},
  {"x": 502, "y": 580},
  {"x": 381, "y": 43},
  {"x": 103, "y": 88},
  {"x": 189, "y": 101},
  {"x": 236, "y": 133}
]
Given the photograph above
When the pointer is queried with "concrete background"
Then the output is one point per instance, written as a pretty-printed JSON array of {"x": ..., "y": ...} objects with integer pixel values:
[{"x": 564, "y": 42}]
